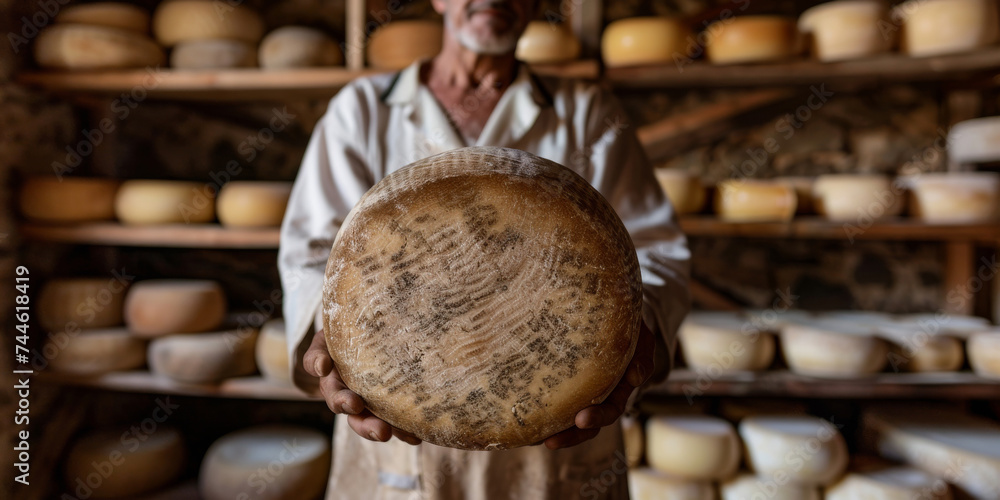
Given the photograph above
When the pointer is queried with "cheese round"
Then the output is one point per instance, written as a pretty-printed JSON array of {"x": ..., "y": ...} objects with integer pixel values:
[
  {"x": 696, "y": 447},
  {"x": 684, "y": 190},
  {"x": 213, "y": 54},
  {"x": 176, "y": 21},
  {"x": 754, "y": 201},
  {"x": 85, "y": 47},
  {"x": 847, "y": 29},
  {"x": 253, "y": 203},
  {"x": 633, "y": 439},
  {"x": 162, "y": 307},
  {"x": 122, "y": 462},
  {"x": 543, "y": 43},
  {"x": 144, "y": 202},
  {"x": 807, "y": 450},
  {"x": 398, "y": 44},
  {"x": 915, "y": 351},
  {"x": 296, "y": 461},
  {"x": 644, "y": 40},
  {"x": 85, "y": 302},
  {"x": 721, "y": 341},
  {"x": 111, "y": 14},
  {"x": 834, "y": 349},
  {"x": 203, "y": 358},
  {"x": 751, "y": 39},
  {"x": 955, "y": 198},
  {"x": 648, "y": 484},
  {"x": 96, "y": 351},
  {"x": 974, "y": 141},
  {"x": 857, "y": 197},
  {"x": 481, "y": 297},
  {"x": 272, "y": 352},
  {"x": 984, "y": 354},
  {"x": 889, "y": 483},
  {"x": 299, "y": 47},
  {"x": 750, "y": 487},
  {"x": 935, "y": 27},
  {"x": 72, "y": 199},
  {"x": 803, "y": 187}
]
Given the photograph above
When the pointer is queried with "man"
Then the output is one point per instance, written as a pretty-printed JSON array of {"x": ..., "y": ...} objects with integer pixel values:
[{"x": 475, "y": 93}]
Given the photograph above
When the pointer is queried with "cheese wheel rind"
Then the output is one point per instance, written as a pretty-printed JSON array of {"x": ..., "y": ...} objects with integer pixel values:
[
  {"x": 70, "y": 303},
  {"x": 299, "y": 47},
  {"x": 746, "y": 200},
  {"x": 847, "y": 29},
  {"x": 271, "y": 352},
  {"x": 122, "y": 463},
  {"x": 546, "y": 43},
  {"x": 82, "y": 47},
  {"x": 213, "y": 54},
  {"x": 725, "y": 341},
  {"x": 751, "y": 39},
  {"x": 857, "y": 197},
  {"x": 955, "y": 198},
  {"x": 68, "y": 199},
  {"x": 176, "y": 21},
  {"x": 146, "y": 202},
  {"x": 96, "y": 351},
  {"x": 110, "y": 14},
  {"x": 749, "y": 487},
  {"x": 398, "y": 44},
  {"x": 645, "y": 40},
  {"x": 937, "y": 27},
  {"x": 253, "y": 203},
  {"x": 685, "y": 191},
  {"x": 649, "y": 484},
  {"x": 162, "y": 307},
  {"x": 984, "y": 354},
  {"x": 696, "y": 448},
  {"x": 834, "y": 349},
  {"x": 974, "y": 141},
  {"x": 806, "y": 450},
  {"x": 889, "y": 483},
  {"x": 203, "y": 358}
]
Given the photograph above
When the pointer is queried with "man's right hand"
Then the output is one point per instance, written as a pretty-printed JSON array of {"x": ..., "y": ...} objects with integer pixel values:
[{"x": 318, "y": 363}]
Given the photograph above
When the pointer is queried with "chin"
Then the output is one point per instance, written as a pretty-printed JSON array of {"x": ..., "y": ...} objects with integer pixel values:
[{"x": 493, "y": 45}]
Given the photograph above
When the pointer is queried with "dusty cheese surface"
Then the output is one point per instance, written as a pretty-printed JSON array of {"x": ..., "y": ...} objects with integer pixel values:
[{"x": 480, "y": 298}]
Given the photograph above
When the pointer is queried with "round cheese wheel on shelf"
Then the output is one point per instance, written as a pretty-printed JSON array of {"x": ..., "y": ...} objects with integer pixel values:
[
  {"x": 834, "y": 349},
  {"x": 955, "y": 198},
  {"x": 684, "y": 190},
  {"x": 803, "y": 187},
  {"x": 480, "y": 298},
  {"x": 111, "y": 14},
  {"x": 85, "y": 47},
  {"x": 633, "y": 439},
  {"x": 751, "y": 39},
  {"x": 69, "y": 199},
  {"x": 749, "y": 487},
  {"x": 272, "y": 352},
  {"x": 253, "y": 203},
  {"x": 857, "y": 197},
  {"x": 644, "y": 40},
  {"x": 95, "y": 351},
  {"x": 724, "y": 341},
  {"x": 754, "y": 201},
  {"x": 936, "y": 27},
  {"x": 162, "y": 307},
  {"x": 70, "y": 303},
  {"x": 176, "y": 21},
  {"x": 806, "y": 450},
  {"x": 889, "y": 483},
  {"x": 917, "y": 352},
  {"x": 695, "y": 447},
  {"x": 299, "y": 47},
  {"x": 649, "y": 484},
  {"x": 974, "y": 141},
  {"x": 544, "y": 43},
  {"x": 122, "y": 463},
  {"x": 145, "y": 202},
  {"x": 203, "y": 358},
  {"x": 847, "y": 29},
  {"x": 213, "y": 54},
  {"x": 984, "y": 353},
  {"x": 398, "y": 44},
  {"x": 232, "y": 465}
]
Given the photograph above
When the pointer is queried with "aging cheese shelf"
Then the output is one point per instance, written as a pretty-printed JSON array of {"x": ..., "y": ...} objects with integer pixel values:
[
  {"x": 146, "y": 382},
  {"x": 175, "y": 235}
]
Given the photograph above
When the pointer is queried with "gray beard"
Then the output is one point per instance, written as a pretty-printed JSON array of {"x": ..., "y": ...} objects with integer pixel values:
[{"x": 495, "y": 47}]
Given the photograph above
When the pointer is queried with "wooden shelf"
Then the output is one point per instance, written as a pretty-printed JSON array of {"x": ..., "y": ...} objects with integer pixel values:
[
  {"x": 175, "y": 236},
  {"x": 146, "y": 382},
  {"x": 818, "y": 228}
]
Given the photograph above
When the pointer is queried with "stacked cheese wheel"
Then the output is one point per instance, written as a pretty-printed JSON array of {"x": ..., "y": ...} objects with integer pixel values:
[
  {"x": 124, "y": 463},
  {"x": 102, "y": 35},
  {"x": 203, "y": 35}
]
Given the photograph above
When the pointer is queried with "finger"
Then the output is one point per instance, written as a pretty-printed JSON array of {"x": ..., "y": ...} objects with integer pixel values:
[
  {"x": 405, "y": 437},
  {"x": 606, "y": 413},
  {"x": 570, "y": 437},
  {"x": 317, "y": 361},
  {"x": 370, "y": 427}
]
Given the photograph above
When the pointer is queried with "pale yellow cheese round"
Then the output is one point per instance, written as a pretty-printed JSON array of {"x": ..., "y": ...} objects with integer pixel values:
[
  {"x": 685, "y": 190},
  {"x": 723, "y": 342},
  {"x": 398, "y": 44},
  {"x": 162, "y": 307},
  {"x": 984, "y": 353},
  {"x": 754, "y": 201},
  {"x": 649, "y": 484},
  {"x": 213, "y": 54},
  {"x": 299, "y": 47},
  {"x": 71, "y": 199},
  {"x": 750, "y": 487},
  {"x": 253, "y": 203},
  {"x": 69, "y": 303},
  {"x": 298, "y": 456},
  {"x": 847, "y": 29},
  {"x": 85, "y": 47},
  {"x": 203, "y": 358},
  {"x": 633, "y": 439},
  {"x": 129, "y": 461},
  {"x": 95, "y": 351},
  {"x": 803, "y": 187},
  {"x": 644, "y": 40},
  {"x": 176, "y": 21},
  {"x": 751, "y": 39},
  {"x": 857, "y": 197},
  {"x": 955, "y": 198},
  {"x": 806, "y": 450},
  {"x": 696, "y": 447},
  {"x": 832, "y": 348},
  {"x": 111, "y": 14},
  {"x": 936, "y": 27},
  {"x": 272, "y": 352},
  {"x": 145, "y": 202},
  {"x": 974, "y": 141},
  {"x": 889, "y": 483},
  {"x": 928, "y": 342},
  {"x": 543, "y": 43}
]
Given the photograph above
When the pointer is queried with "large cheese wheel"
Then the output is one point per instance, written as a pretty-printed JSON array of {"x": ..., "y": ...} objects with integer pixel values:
[
  {"x": 633, "y": 440},
  {"x": 805, "y": 450},
  {"x": 684, "y": 190},
  {"x": 847, "y": 29},
  {"x": 69, "y": 199},
  {"x": 649, "y": 484},
  {"x": 974, "y": 141},
  {"x": 721, "y": 342},
  {"x": 852, "y": 197},
  {"x": 480, "y": 298},
  {"x": 695, "y": 447},
  {"x": 644, "y": 40},
  {"x": 163, "y": 307},
  {"x": 296, "y": 460},
  {"x": 984, "y": 354},
  {"x": 96, "y": 351},
  {"x": 755, "y": 201},
  {"x": 203, "y": 358},
  {"x": 213, "y": 54},
  {"x": 915, "y": 351},
  {"x": 84, "y": 302},
  {"x": 750, "y": 487},
  {"x": 122, "y": 463},
  {"x": 832, "y": 348},
  {"x": 543, "y": 42},
  {"x": 889, "y": 483},
  {"x": 111, "y": 14},
  {"x": 299, "y": 47},
  {"x": 145, "y": 202},
  {"x": 85, "y": 47},
  {"x": 935, "y": 27},
  {"x": 253, "y": 203},
  {"x": 176, "y": 21},
  {"x": 397, "y": 44},
  {"x": 272, "y": 352},
  {"x": 955, "y": 198},
  {"x": 751, "y": 39},
  {"x": 962, "y": 449}
]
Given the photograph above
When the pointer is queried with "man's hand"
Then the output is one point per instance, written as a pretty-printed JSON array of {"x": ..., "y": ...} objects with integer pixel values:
[
  {"x": 318, "y": 363},
  {"x": 590, "y": 419}
]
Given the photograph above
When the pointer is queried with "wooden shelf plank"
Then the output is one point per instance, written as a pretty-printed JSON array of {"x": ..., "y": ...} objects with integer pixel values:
[
  {"x": 146, "y": 382},
  {"x": 174, "y": 236},
  {"x": 818, "y": 228}
]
